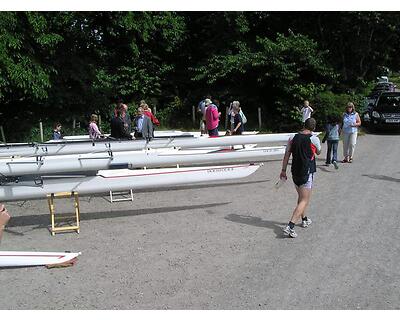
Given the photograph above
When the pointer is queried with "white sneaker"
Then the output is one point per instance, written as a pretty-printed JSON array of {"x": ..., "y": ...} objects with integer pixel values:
[
  {"x": 335, "y": 165},
  {"x": 306, "y": 223},
  {"x": 290, "y": 232}
]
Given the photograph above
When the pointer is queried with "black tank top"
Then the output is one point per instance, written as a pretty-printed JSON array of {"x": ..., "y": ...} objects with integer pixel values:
[{"x": 303, "y": 160}]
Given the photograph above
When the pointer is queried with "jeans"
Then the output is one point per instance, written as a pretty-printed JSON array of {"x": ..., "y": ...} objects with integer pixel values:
[
  {"x": 332, "y": 146},
  {"x": 213, "y": 132}
]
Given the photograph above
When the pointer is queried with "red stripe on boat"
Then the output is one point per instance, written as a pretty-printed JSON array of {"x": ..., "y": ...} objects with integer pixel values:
[{"x": 168, "y": 172}]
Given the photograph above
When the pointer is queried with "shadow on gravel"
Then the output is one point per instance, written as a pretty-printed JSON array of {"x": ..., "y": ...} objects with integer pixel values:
[
  {"x": 258, "y": 222},
  {"x": 201, "y": 186},
  {"x": 43, "y": 220},
  {"x": 381, "y": 177},
  {"x": 106, "y": 197},
  {"x": 323, "y": 168}
]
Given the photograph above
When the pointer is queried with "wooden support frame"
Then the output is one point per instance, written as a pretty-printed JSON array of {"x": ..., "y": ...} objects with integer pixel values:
[{"x": 76, "y": 215}]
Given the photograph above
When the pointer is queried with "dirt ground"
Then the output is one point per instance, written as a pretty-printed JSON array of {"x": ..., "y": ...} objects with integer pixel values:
[{"x": 220, "y": 245}]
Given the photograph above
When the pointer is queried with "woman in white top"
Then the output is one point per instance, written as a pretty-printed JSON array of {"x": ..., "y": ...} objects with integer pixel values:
[
  {"x": 235, "y": 105},
  {"x": 351, "y": 122}
]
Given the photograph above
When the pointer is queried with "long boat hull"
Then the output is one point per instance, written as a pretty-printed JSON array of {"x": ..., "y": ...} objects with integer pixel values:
[
  {"x": 132, "y": 159},
  {"x": 71, "y": 147},
  {"x": 26, "y": 258},
  {"x": 122, "y": 179},
  {"x": 157, "y": 134}
]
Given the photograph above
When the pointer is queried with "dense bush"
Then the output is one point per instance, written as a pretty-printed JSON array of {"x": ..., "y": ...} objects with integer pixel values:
[{"x": 60, "y": 66}]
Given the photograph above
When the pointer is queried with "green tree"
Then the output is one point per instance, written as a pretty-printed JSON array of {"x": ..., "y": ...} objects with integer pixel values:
[
  {"x": 275, "y": 74},
  {"x": 26, "y": 48}
]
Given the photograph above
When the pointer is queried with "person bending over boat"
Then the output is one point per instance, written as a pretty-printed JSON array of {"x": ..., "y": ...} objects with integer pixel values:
[
  {"x": 303, "y": 147},
  {"x": 4, "y": 217},
  {"x": 143, "y": 126},
  {"x": 118, "y": 128}
]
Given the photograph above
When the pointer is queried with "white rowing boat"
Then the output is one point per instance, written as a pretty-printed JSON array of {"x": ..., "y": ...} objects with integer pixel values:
[
  {"x": 26, "y": 258},
  {"x": 120, "y": 180},
  {"x": 157, "y": 134},
  {"x": 133, "y": 159},
  {"x": 64, "y": 148}
]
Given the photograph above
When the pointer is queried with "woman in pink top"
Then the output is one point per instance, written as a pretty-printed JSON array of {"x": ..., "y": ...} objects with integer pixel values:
[
  {"x": 212, "y": 118},
  {"x": 94, "y": 132}
]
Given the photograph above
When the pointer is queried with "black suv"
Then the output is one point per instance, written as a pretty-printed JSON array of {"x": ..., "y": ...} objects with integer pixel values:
[{"x": 385, "y": 112}]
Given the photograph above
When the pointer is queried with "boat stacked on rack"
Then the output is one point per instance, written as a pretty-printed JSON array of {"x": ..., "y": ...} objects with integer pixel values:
[
  {"x": 32, "y": 171},
  {"x": 61, "y": 147}
]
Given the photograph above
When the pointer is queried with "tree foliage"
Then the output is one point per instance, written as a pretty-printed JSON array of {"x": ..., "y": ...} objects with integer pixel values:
[
  {"x": 26, "y": 46},
  {"x": 59, "y": 66}
]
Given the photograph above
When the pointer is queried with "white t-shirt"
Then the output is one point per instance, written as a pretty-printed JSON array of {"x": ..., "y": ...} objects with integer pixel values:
[{"x": 306, "y": 111}]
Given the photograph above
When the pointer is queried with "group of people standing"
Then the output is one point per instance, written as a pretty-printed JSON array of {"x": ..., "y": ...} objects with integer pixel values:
[
  {"x": 347, "y": 126},
  {"x": 303, "y": 148},
  {"x": 121, "y": 125},
  {"x": 210, "y": 119}
]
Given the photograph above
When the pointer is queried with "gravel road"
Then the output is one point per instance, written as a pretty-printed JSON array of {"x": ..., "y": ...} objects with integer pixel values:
[{"x": 220, "y": 246}]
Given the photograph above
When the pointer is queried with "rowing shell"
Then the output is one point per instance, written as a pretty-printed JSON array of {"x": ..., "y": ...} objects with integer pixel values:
[
  {"x": 132, "y": 159},
  {"x": 157, "y": 134},
  {"x": 122, "y": 179},
  {"x": 71, "y": 147},
  {"x": 22, "y": 258}
]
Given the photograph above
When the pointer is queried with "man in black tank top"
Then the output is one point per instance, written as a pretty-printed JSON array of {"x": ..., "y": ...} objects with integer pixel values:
[
  {"x": 303, "y": 160},
  {"x": 303, "y": 148}
]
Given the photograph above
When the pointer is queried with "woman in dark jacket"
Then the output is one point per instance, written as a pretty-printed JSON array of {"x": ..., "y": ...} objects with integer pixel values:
[
  {"x": 237, "y": 127},
  {"x": 118, "y": 127}
]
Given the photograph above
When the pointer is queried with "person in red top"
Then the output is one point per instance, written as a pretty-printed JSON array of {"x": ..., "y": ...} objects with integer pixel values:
[
  {"x": 212, "y": 118},
  {"x": 147, "y": 112}
]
